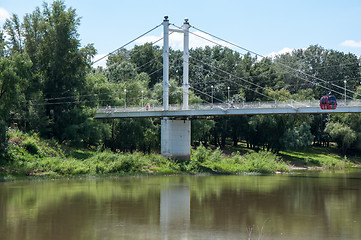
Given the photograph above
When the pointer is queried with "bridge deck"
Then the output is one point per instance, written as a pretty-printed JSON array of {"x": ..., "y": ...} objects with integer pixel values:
[{"x": 228, "y": 109}]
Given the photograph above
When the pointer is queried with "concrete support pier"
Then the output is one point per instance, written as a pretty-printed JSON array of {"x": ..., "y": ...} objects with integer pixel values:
[{"x": 176, "y": 139}]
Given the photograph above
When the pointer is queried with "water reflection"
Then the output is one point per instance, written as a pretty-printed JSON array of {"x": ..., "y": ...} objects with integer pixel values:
[
  {"x": 175, "y": 211},
  {"x": 313, "y": 206}
]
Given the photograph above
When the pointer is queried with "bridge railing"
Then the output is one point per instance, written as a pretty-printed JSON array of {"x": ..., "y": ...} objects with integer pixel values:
[{"x": 224, "y": 106}]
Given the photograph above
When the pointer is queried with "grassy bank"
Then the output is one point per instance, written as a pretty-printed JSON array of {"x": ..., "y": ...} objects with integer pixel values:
[{"x": 28, "y": 155}]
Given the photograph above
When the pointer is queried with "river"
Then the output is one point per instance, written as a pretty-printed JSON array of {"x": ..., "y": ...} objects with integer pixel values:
[{"x": 319, "y": 205}]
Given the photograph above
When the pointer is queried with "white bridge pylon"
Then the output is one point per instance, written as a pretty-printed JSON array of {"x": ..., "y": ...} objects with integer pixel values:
[
  {"x": 185, "y": 31},
  {"x": 175, "y": 134}
]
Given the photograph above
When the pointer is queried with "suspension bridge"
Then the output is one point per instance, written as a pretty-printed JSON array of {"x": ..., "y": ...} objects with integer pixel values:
[
  {"x": 222, "y": 109},
  {"x": 176, "y": 119}
]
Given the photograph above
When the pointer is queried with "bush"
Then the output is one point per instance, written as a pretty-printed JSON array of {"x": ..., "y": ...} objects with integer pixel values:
[
  {"x": 162, "y": 165},
  {"x": 133, "y": 163},
  {"x": 31, "y": 146},
  {"x": 201, "y": 154},
  {"x": 261, "y": 162},
  {"x": 311, "y": 161},
  {"x": 108, "y": 162},
  {"x": 264, "y": 162}
]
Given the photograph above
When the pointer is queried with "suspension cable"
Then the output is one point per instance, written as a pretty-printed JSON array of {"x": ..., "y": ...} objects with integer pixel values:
[
  {"x": 127, "y": 43},
  {"x": 279, "y": 63},
  {"x": 254, "y": 84},
  {"x": 139, "y": 51}
]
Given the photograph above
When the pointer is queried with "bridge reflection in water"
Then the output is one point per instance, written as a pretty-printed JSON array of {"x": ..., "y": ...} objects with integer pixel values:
[
  {"x": 175, "y": 211},
  {"x": 312, "y": 205}
]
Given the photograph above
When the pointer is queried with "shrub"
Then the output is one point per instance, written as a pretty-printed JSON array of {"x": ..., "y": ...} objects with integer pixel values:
[
  {"x": 163, "y": 165},
  {"x": 311, "y": 161},
  {"x": 264, "y": 162},
  {"x": 201, "y": 154},
  {"x": 31, "y": 146}
]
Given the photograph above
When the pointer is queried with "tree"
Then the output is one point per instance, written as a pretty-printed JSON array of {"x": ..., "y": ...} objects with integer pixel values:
[
  {"x": 13, "y": 71},
  {"x": 238, "y": 128},
  {"x": 297, "y": 137},
  {"x": 121, "y": 72},
  {"x": 318, "y": 68},
  {"x": 201, "y": 130},
  {"x": 13, "y": 28},
  {"x": 132, "y": 134},
  {"x": 53, "y": 42},
  {"x": 343, "y": 135},
  {"x": 2, "y": 44},
  {"x": 352, "y": 120},
  {"x": 148, "y": 59}
]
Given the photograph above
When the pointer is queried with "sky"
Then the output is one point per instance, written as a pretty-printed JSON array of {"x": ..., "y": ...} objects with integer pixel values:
[{"x": 266, "y": 27}]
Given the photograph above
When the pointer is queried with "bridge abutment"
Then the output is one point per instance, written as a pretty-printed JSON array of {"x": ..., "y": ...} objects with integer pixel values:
[{"x": 176, "y": 139}]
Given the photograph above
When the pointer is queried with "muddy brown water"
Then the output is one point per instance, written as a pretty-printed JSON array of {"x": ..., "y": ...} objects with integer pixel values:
[{"x": 323, "y": 205}]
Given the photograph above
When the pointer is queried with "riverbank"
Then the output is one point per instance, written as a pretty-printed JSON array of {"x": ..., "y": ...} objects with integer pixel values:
[{"x": 30, "y": 156}]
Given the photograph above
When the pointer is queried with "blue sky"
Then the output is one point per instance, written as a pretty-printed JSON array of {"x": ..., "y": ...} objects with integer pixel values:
[{"x": 262, "y": 26}]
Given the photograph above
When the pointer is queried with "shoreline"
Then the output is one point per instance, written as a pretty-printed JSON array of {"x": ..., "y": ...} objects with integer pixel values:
[
  {"x": 29, "y": 157},
  {"x": 51, "y": 177}
]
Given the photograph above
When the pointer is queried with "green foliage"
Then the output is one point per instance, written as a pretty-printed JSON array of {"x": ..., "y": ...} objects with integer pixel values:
[
  {"x": 261, "y": 162},
  {"x": 30, "y": 146},
  {"x": 162, "y": 165},
  {"x": 12, "y": 72},
  {"x": 23, "y": 146},
  {"x": 57, "y": 70},
  {"x": 325, "y": 163},
  {"x": 342, "y": 134},
  {"x": 201, "y": 154},
  {"x": 315, "y": 157},
  {"x": 264, "y": 162},
  {"x": 28, "y": 155},
  {"x": 107, "y": 162},
  {"x": 3, "y": 138},
  {"x": 201, "y": 130},
  {"x": 298, "y": 137},
  {"x": 148, "y": 60}
]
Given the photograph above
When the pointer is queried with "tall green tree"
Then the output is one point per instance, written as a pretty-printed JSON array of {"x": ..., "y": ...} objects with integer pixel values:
[
  {"x": 53, "y": 92},
  {"x": 63, "y": 65},
  {"x": 13, "y": 73}
]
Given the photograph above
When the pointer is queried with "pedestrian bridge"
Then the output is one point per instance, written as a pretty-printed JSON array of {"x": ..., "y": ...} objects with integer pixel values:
[
  {"x": 244, "y": 108},
  {"x": 176, "y": 120}
]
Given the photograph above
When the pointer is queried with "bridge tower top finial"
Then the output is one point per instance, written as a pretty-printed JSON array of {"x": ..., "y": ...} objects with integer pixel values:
[{"x": 165, "y": 18}]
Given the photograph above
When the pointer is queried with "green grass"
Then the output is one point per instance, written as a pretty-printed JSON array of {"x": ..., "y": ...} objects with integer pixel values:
[
  {"x": 257, "y": 162},
  {"x": 30, "y": 156},
  {"x": 316, "y": 157}
]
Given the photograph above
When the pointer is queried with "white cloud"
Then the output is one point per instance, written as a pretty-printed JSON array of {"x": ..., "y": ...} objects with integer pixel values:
[
  {"x": 351, "y": 43},
  {"x": 148, "y": 39},
  {"x": 101, "y": 63},
  {"x": 282, "y": 51},
  {"x": 3, "y": 15}
]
